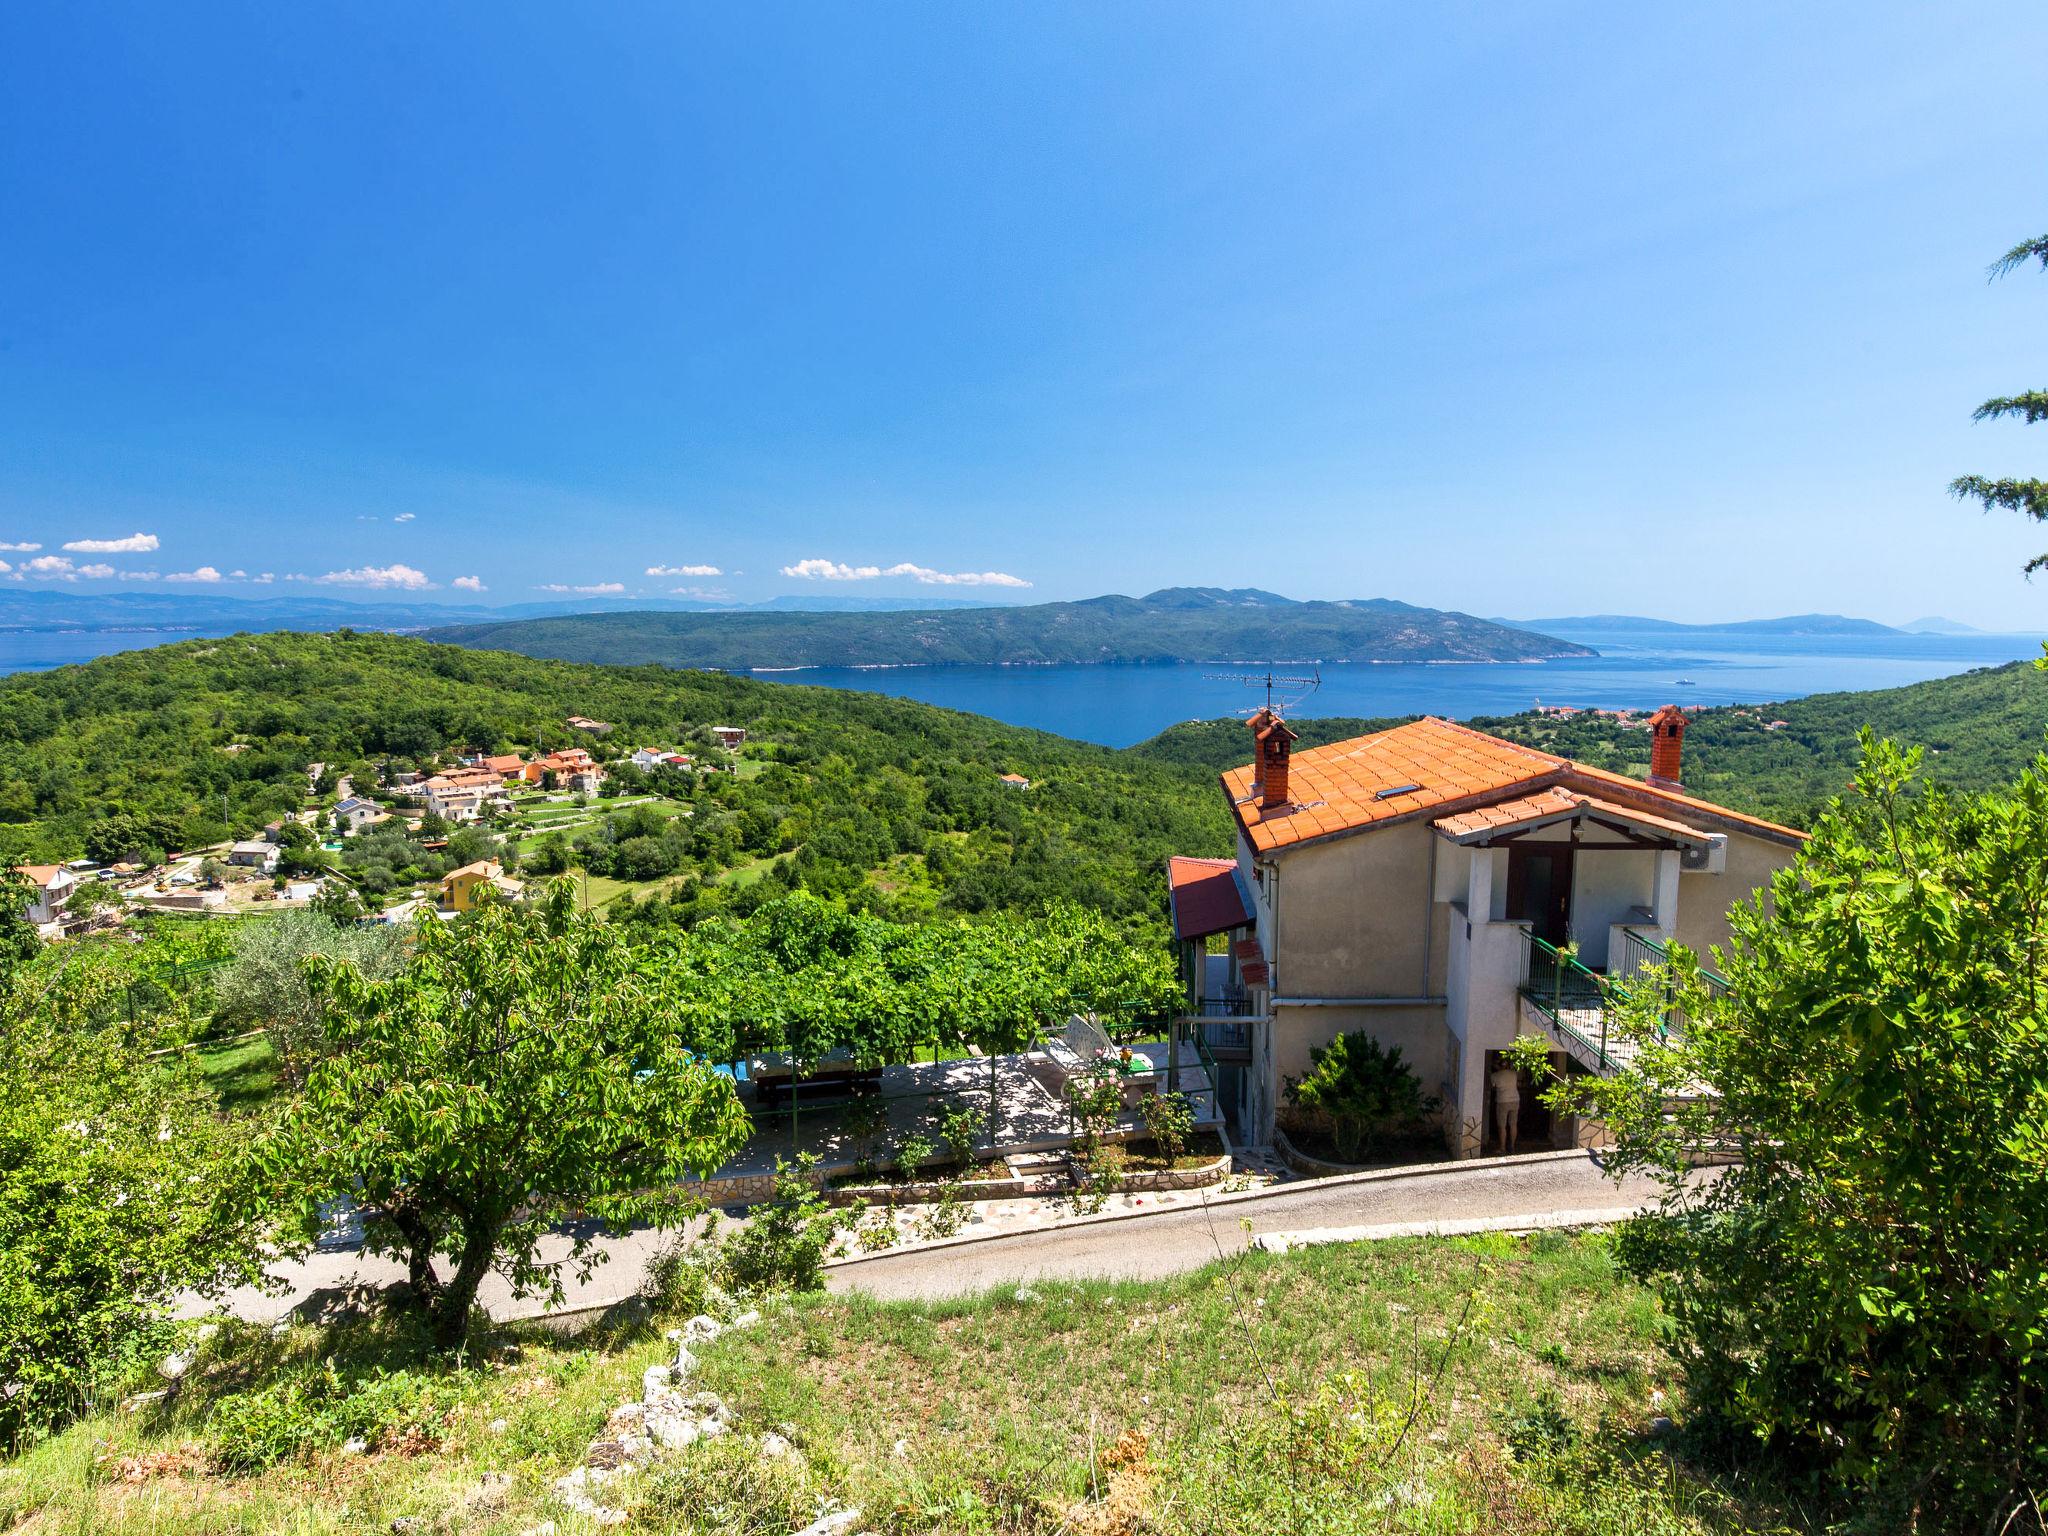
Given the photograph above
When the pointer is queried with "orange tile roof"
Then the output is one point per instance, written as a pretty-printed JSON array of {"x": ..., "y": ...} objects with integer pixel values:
[
  {"x": 1554, "y": 804},
  {"x": 1430, "y": 764}
]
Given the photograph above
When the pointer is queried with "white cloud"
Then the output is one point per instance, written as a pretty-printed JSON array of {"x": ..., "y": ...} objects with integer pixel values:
[
  {"x": 684, "y": 570},
  {"x": 205, "y": 573},
  {"x": 50, "y": 568},
  {"x": 595, "y": 589},
  {"x": 405, "y": 517},
  {"x": 469, "y": 584},
  {"x": 96, "y": 572},
  {"x": 403, "y": 577},
  {"x": 5, "y": 567},
  {"x": 25, "y": 549},
  {"x": 140, "y": 576},
  {"x": 238, "y": 575},
  {"x": 134, "y": 544},
  {"x": 265, "y": 579},
  {"x": 833, "y": 570}
]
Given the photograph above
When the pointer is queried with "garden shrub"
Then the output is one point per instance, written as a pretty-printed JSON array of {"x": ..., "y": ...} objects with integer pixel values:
[
  {"x": 1364, "y": 1089},
  {"x": 785, "y": 1241}
]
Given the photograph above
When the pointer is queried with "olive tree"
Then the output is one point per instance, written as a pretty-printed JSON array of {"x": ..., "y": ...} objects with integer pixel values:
[
  {"x": 1867, "y": 1287},
  {"x": 267, "y": 986},
  {"x": 524, "y": 1067}
]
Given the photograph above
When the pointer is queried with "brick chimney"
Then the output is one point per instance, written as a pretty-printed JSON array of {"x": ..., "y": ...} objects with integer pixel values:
[
  {"x": 1269, "y": 768},
  {"x": 1667, "y": 741}
]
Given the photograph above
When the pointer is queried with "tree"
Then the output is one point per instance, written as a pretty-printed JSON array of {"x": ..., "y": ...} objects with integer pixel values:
[
  {"x": 1365, "y": 1089},
  {"x": 2027, "y": 496},
  {"x": 524, "y": 1067},
  {"x": 267, "y": 987},
  {"x": 110, "y": 1159},
  {"x": 1868, "y": 1287}
]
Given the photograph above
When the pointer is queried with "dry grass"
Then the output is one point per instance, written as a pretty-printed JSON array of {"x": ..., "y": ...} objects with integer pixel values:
[{"x": 1427, "y": 1386}]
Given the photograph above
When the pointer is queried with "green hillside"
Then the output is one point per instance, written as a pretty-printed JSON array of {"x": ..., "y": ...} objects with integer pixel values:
[
  {"x": 1179, "y": 624},
  {"x": 1979, "y": 729},
  {"x": 877, "y": 800}
]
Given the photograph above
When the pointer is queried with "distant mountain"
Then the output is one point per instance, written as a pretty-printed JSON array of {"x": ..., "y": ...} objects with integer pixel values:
[
  {"x": 56, "y": 611},
  {"x": 1940, "y": 626},
  {"x": 1178, "y": 624},
  {"x": 1797, "y": 624}
]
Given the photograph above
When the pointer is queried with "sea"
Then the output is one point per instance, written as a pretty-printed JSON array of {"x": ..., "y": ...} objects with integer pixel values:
[{"x": 1121, "y": 705}]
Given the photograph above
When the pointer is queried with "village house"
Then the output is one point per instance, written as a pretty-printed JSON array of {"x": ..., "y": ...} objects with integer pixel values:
[
  {"x": 464, "y": 794},
  {"x": 591, "y": 727},
  {"x": 648, "y": 759},
  {"x": 254, "y": 854},
  {"x": 573, "y": 768},
  {"x": 355, "y": 813},
  {"x": 505, "y": 765},
  {"x": 730, "y": 737},
  {"x": 467, "y": 888},
  {"x": 1013, "y": 780},
  {"x": 1423, "y": 885},
  {"x": 53, "y": 884}
]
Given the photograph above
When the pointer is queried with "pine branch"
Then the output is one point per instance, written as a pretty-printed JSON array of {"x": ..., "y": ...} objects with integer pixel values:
[
  {"x": 2030, "y": 407},
  {"x": 2020, "y": 255},
  {"x": 2028, "y": 496}
]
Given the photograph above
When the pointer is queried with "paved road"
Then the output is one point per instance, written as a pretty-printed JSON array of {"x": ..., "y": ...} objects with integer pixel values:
[
  {"x": 1189, "y": 1237},
  {"x": 1171, "y": 1240}
]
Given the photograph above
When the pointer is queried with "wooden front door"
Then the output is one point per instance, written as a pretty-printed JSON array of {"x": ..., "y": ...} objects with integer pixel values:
[{"x": 1540, "y": 888}]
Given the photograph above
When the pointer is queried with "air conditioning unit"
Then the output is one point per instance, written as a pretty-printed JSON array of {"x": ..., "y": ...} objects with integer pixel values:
[{"x": 1710, "y": 860}]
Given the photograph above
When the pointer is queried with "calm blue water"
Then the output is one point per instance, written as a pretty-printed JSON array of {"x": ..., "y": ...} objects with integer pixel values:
[{"x": 1121, "y": 705}]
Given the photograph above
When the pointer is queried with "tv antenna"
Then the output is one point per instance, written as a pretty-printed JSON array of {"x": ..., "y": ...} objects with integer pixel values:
[{"x": 1282, "y": 693}]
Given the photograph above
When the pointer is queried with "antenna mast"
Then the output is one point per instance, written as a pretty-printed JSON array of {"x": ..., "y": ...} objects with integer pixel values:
[{"x": 1282, "y": 693}]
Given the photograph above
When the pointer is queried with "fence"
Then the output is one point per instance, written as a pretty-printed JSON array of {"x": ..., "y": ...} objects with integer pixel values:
[{"x": 1579, "y": 1002}]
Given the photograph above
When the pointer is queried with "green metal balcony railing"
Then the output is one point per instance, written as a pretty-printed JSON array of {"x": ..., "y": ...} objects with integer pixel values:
[{"x": 1579, "y": 1002}]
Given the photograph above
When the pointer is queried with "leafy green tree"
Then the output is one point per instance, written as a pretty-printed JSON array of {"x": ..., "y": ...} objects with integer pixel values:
[
  {"x": 525, "y": 1066},
  {"x": 1364, "y": 1088},
  {"x": 2028, "y": 496},
  {"x": 267, "y": 986},
  {"x": 110, "y": 1159},
  {"x": 1868, "y": 1287}
]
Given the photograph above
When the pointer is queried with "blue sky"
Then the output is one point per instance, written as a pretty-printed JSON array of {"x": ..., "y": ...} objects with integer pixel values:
[{"x": 1522, "y": 308}]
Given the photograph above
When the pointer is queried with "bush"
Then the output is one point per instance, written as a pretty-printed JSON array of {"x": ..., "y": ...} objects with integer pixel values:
[
  {"x": 1867, "y": 1289},
  {"x": 1170, "y": 1120},
  {"x": 785, "y": 1241},
  {"x": 961, "y": 1128},
  {"x": 1365, "y": 1090},
  {"x": 322, "y": 1408}
]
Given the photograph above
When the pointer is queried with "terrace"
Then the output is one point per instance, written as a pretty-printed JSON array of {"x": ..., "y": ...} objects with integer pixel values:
[{"x": 852, "y": 1116}]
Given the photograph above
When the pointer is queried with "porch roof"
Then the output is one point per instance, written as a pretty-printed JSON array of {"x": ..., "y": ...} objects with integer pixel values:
[
  {"x": 1487, "y": 823},
  {"x": 1205, "y": 897}
]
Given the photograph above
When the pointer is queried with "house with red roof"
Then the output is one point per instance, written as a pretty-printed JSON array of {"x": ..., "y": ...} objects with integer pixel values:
[
  {"x": 1447, "y": 892},
  {"x": 52, "y": 884}
]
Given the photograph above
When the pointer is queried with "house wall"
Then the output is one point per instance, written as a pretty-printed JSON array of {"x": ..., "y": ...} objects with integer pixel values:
[
  {"x": 1704, "y": 900},
  {"x": 1356, "y": 918}
]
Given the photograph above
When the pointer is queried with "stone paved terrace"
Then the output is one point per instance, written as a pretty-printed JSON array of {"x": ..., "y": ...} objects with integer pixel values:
[{"x": 1032, "y": 1115}]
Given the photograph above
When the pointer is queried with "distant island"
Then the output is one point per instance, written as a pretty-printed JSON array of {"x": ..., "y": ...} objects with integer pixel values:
[
  {"x": 1177, "y": 624},
  {"x": 1796, "y": 624}
]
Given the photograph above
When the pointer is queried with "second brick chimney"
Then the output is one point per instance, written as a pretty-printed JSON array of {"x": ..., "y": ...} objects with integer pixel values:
[
  {"x": 1667, "y": 743},
  {"x": 1269, "y": 767}
]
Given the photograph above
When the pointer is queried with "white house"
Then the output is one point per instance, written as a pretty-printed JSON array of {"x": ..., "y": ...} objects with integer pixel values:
[
  {"x": 53, "y": 883},
  {"x": 355, "y": 813},
  {"x": 254, "y": 854},
  {"x": 1446, "y": 892}
]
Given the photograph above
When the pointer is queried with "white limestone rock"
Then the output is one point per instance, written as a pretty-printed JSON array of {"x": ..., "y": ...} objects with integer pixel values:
[
  {"x": 654, "y": 1381},
  {"x": 831, "y": 1524}
]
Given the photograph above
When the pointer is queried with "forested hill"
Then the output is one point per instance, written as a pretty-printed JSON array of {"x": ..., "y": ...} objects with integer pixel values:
[
  {"x": 892, "y": 803},
  {"x": 1179, "y": 624},
  {"x": 1979, "y": 729}
]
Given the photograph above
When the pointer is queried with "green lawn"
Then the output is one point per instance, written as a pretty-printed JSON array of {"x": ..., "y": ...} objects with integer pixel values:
[
  {"x": 243, "y": 1073},
  {"x": 1430, "y": 1386}
]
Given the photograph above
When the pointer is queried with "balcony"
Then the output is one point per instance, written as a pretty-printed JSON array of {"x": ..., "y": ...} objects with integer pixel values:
[{"x": 1578, "y": 1005}]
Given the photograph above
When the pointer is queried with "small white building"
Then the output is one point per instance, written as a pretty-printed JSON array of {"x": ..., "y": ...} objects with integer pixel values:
[
  {"x": 254, "y": 854},
  {"x": 53, "y": 884},
  {"x": 355, "y": 813}
]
